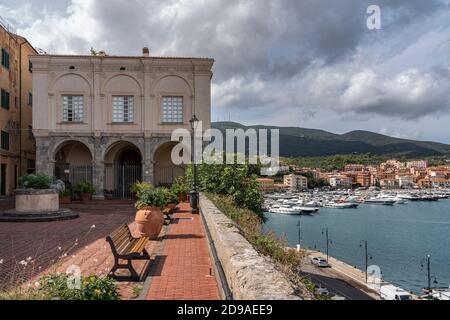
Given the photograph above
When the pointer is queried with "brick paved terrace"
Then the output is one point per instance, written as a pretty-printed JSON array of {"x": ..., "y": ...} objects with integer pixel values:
[{"x": 180, "y": 266}]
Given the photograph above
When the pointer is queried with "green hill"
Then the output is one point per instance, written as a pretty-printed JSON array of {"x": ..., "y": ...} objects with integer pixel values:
[{"x": 301, "y": 142}]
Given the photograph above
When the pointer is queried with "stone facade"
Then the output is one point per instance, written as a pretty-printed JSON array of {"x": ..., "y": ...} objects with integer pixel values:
[
  {"x": 100, "y": 78},
  {"x": 17, "y": 150}
]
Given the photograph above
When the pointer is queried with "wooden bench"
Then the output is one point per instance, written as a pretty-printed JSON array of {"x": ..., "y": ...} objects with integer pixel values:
[{"x": 125, "y": 247}]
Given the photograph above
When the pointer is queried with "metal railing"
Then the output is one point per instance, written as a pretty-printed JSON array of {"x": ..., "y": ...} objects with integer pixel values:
[
  {"x": 119, "y": 179},
  {"x": 165, "y": 176},
  {"x": 72, "y": 174}
]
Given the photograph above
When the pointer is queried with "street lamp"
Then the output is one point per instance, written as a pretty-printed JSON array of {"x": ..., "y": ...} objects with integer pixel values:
[
  {"x": 299, "y": 225},
  {"x": 428, "y": 262},
  {"x": 194, "y": 192},
  {"x": 325, "y": 232},
  {"x": 367, "y": 256}
]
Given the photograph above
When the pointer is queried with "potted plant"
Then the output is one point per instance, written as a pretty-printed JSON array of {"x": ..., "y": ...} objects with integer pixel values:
[
  {"x": 149, "y": 217},
  {"x": 171, "y": 199},
  {"x": 84, "y": 190},
  {"x": 181, "y": 188},
  {"x": 65, "y": 196}
]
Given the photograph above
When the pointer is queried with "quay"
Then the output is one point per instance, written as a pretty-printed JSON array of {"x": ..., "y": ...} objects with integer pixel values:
[{"x": 342, "y": 271}]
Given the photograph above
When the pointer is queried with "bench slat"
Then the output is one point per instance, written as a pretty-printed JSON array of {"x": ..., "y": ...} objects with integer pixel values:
[{"x": 123, "y": 230}]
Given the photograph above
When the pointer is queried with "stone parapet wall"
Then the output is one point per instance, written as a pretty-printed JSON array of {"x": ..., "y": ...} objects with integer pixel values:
[{"x": 250, "y": 275}]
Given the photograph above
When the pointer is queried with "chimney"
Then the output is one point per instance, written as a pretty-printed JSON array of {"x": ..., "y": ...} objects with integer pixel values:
[{"x": 146, "y": 52}]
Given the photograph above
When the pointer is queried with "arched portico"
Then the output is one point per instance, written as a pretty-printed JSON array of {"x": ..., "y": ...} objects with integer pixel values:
[
  {"x": 165, "y": 171},
  {"x": 123, "y": 168},
  {"x": 73, "y": 162}
]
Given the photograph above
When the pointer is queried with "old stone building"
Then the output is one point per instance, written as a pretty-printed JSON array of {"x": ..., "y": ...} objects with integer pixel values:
[
  {"x": 109, "y": 119},
  {"x": 17, "y": 145}
]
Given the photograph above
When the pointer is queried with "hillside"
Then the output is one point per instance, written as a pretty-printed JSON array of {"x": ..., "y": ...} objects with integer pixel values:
[{"x": 296, "y": 142}]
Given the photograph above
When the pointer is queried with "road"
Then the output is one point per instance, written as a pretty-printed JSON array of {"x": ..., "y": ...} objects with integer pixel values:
[{"x": 337, "y": 286}]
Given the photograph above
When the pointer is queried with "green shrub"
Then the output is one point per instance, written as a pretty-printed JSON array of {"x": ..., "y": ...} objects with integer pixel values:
[
  {"x": 84, "y": 187},
  {"x": 152, "y": 197},
  {"x": 181, "y": 186},
  {"x": 236, "y": 181},
  {"x": 35, "y": 181},
  {"x": 139, "y": 188},
  {"x": 171, "y": 197},
  {"x": 55, "y": 287}
]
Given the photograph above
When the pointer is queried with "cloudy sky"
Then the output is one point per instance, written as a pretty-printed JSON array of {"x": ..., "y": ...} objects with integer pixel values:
[{"x": 308, "y": 63}]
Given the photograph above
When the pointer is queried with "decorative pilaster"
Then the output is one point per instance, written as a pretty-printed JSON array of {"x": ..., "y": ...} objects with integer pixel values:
[{"x": 98, "y": 170}]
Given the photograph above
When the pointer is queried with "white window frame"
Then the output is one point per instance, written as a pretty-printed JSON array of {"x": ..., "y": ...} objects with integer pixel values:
[
  {"x": 172, "y": 109},
  {"x": 73, "y": 111},
  {"x": 122, "y": 111}
]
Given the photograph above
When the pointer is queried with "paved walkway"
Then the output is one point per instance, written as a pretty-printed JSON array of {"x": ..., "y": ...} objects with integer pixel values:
[
  {"x": 28, "y": 250},
  {"x": 183, "y": 270}
]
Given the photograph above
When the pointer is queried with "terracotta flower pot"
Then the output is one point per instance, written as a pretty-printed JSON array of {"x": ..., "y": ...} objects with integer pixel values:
[
  {"x": 85, "y": 197},
  {"x": 149, "y": 222},
  {"x": 65, "y": 200}
]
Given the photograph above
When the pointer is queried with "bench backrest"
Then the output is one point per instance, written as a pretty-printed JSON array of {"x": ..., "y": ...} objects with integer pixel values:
[{"x": 120, "y": 239}]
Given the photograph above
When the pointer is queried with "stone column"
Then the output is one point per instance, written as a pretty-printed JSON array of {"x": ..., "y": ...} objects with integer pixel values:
[
  {"x": 147, "y": 171},
  {"x": 44, "y": 160},
  {"x": 147, "y": 162},
  {"x": 98, "y": 170}
]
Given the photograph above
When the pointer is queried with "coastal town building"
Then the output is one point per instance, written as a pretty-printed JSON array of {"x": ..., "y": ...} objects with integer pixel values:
[
  {"x": 391, "y": 174},
  {"x": 417, "y": 164},
  {"x": 406, "y": 181},
  {"x": 109, "y": 119},
  {"x": 266, "y": 185},
  {"x": 296, "y": 182},
  {"x": 355, "y": 168},
  {"x": 341, "y": 181},
  {"x": 17, "y": 144}
]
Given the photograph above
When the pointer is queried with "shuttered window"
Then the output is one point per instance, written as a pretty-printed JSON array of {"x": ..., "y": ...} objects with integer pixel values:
[
  {"x": 73, "y": 108},
  {"x": 123, "y": 109},
  {"x": 5, "y": 99},
  {"x": 5, "y": 58},
  {"x": 5, "y": 140},
  {"x": 172, "y": 110}
]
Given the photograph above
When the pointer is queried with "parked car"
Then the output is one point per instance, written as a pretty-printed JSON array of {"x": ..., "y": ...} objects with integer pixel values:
[
  {"x": 390, "y": 292},
  {"x": 322, "y": 291},
  {"x": 320, "y": 262}
]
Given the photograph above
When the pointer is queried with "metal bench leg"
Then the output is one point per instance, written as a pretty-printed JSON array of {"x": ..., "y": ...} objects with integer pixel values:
[{"x": 134, "y": 274}]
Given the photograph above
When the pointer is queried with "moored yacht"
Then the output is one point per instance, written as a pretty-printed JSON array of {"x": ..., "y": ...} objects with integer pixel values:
[{"x": 381, "y": 201}]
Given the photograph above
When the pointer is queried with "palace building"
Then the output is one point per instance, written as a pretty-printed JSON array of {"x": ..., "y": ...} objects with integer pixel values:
[{"x": 109, "y": 119}]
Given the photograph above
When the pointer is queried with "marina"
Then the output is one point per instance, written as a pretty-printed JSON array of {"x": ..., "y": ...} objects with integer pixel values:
[{"x": 401, "y": 228}]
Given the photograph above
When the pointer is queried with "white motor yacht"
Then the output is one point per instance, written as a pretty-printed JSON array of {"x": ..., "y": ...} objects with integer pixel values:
[
  {"x": 381, "y": 201},
  {"x": 343, "y": 205},
  {"x": 285, "y": 210}
]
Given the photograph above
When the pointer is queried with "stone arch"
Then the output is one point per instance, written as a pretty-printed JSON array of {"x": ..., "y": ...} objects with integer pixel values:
[
  {"x": 109, "y": 80},
  {"x": 123, "y": 168},
  {"x": 165, "y": 171},
  {"x": 77, "y": 75},
  {"x": 160, "y": 79},
  {"x": 73, "y": 161},
  {"x": 70, "y": 142},
  {"x": 120, "y": 144}
]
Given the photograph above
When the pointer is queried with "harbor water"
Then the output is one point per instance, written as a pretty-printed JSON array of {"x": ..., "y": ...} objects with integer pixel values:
[{"x": 399, "y": 238}]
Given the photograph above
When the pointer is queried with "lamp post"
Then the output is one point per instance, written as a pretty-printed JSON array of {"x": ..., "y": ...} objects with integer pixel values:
[
  {"x": 428, "y": 262},
  {"x": 299, "y": 225},
  {"x": 325, "y": 232},
  {"x": 367, "y": 256},
  {"x": 194, "y": 191}
]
